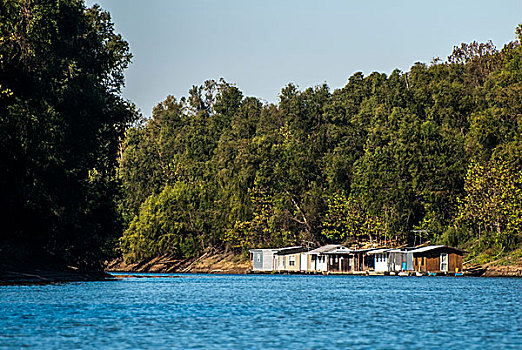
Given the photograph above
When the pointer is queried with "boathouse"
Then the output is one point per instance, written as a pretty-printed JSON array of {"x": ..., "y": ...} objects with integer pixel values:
[
  {"x": 400, "y": 260},
  {"x": 380, "y": 259},
  {"x": 392, "y": 260},
  {"x": 263, "y": 259},
  {"x": 437, "y": 259},
  {"x": 317, "y": 259},
  {"x": 362, "y": 260},
  {"x": 339, "y": 260},
  {"x": 344, "y": 260},
  {"x": 289, "y": 259}
]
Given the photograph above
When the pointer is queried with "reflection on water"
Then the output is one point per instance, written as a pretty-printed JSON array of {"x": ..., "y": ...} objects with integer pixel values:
[{"x": 249, "y": 311}]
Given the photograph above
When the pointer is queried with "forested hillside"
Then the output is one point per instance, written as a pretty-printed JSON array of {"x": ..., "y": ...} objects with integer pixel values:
[
  {"x": 62, "y": 120},
  {"x": 433, "y": 153},
  {"x": 437, "y": 148}
]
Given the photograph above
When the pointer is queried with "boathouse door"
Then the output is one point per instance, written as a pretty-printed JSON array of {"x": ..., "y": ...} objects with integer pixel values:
[
  {"x": 444, "y": 262},
  {"x": 345, "y": 264}
]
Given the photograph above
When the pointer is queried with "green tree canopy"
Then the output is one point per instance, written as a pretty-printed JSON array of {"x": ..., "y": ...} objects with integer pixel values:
[{"x": 61, "y": 121}]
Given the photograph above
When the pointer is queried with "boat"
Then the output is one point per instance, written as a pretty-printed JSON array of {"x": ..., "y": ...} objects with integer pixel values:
[{"x": 432, "y": 274}]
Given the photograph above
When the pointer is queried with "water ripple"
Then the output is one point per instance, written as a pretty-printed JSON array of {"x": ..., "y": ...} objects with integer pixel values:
[{"x": 265, "y": 312}]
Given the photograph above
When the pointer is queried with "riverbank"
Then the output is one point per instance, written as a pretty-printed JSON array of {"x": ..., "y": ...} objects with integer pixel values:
[
  {"x": 509, "y": 265},
  {"x": 36, "y": 275},
  {"x": 503, "y": 271},
  {"x": 229, "y": 263},
  {"x": 210, "y": 262}
]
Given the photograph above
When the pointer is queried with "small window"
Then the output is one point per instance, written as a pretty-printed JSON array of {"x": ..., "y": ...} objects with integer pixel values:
[
  {"x": 291, "y": 261},
  {"x": 258, "y": 256}
]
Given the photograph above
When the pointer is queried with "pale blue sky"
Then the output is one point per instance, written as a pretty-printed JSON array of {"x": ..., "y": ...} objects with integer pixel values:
[{"x": 261, "y": 46}]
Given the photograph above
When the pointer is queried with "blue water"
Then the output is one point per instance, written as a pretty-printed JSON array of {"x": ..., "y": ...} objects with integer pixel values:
[{"x": 265, "y": 312}]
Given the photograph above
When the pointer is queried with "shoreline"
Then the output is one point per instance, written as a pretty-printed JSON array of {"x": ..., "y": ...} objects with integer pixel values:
[
  {"x": 211, "y": 262},
  {"x": 10, "y": 276},
  {"x": 229, "y": 263},
  {"x": 40, "y": 276},
  {"x": 141, "y": 274}
]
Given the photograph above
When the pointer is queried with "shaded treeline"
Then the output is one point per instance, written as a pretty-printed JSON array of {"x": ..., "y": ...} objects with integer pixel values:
[
  {"x": 436, "y": 148},
  {"x": 61, "y": 123}
]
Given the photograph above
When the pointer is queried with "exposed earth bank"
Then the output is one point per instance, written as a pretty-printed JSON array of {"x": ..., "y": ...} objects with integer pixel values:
[
  {"x": 503, "y": 271},
  {"x": 210, "y": 262},
  {"x": 507, "y": 266}
]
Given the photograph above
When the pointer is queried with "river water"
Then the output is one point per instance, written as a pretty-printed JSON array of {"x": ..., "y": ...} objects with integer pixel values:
[{"x": 265, "y": 312}]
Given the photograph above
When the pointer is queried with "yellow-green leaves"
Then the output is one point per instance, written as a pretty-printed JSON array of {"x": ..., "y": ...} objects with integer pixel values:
[
  {"x": 347, "y": 218},
  {"x": 493, "y": 201}
]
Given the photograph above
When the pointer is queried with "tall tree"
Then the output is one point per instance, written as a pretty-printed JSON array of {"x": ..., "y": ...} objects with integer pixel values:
[{"x": 60, "y": 127}]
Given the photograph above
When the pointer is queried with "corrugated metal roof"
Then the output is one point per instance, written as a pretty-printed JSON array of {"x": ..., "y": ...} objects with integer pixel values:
[
  {"x": 340, "y": 250},
  {"x": 367, "y": 250},
  {"x": 291, "y": 250},
  {"x": 264, "y": 250},
  {"x": 279, "y": 250},
  {"x": 325, "y": 248},
  {"x": 379, "y": 251},
  {"x": 427, "y": 248},
  {"x": 399, "y": 251},
  {"x": 294, "y": 247},
  {"x": 433, "y": 247}
]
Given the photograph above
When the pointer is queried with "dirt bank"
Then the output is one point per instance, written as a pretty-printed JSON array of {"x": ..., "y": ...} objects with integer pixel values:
[
  {"x": 507, "y": 266},
  {"x": 503, "y": 271},
  {"x": 210, "y": 262}
]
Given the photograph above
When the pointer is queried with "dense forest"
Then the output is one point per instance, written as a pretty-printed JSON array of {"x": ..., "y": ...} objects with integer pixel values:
[
  {"x": 432, "y": 153},
  {"x": 62, "y": 120}
]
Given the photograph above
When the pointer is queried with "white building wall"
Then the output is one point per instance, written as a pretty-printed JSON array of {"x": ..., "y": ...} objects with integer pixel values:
[
  {"x": 268, "y": 260},
  {"x": 409, "y": 261},
  {"x": 381, "y": 262},
  {"x": 280, "y": 262},
  {"x": 322, "y": 263},
  {"x": 303, "y": 262}
]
